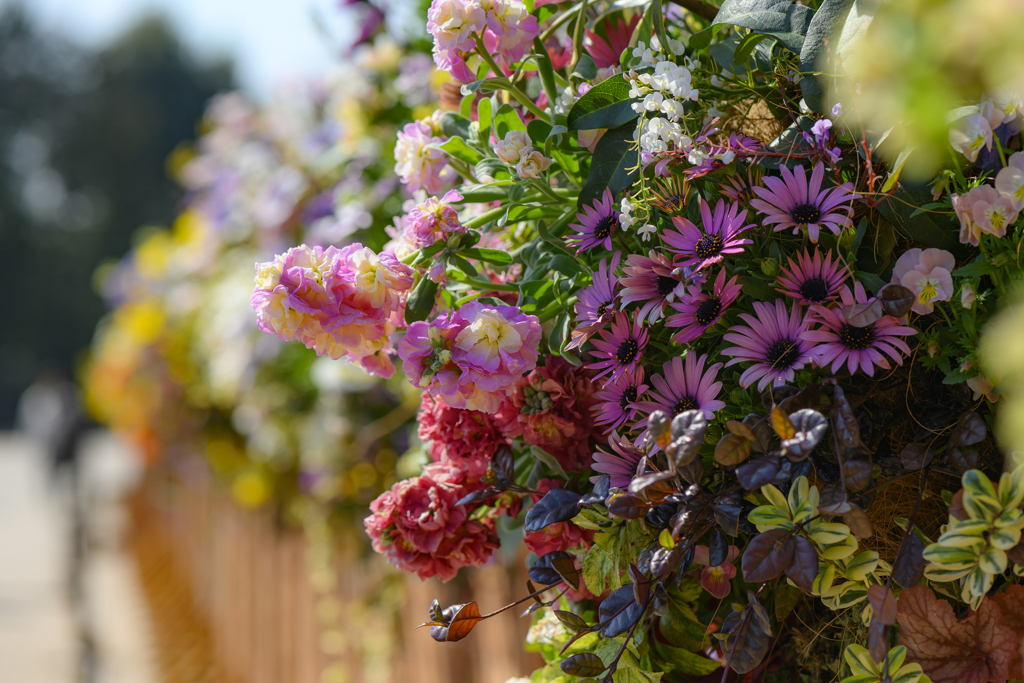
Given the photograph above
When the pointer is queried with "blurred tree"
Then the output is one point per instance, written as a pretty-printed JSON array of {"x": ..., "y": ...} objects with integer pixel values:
[{"x": 84, "y": 139}]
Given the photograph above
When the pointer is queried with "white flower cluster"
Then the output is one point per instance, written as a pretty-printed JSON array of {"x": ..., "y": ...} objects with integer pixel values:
[
  {"x": 661, "y": 94},
  {"x": 627, "y": 220}
]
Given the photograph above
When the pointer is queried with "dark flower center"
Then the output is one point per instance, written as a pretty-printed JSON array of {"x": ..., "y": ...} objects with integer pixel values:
[
  {"x": 604, "y": 227},
  {"x": 745, "y": 193},
  {"x": 709, "y": 245},
  {"x": 707, "y": 311},
  {"x": 628, "y": 396},
  {"x": 857, "y": 338},
  {"x": 814, "y": 289},
  {"x": 684, "y": 404},
  {"x": 626, "y": 353},
  {"x": 782, "y": 354},
  {"x": 674, "y": 203},
  {"x": 666, "y": 284},
  {"x": 805, "y": 213},
  {"x": 603, "y": 308}
]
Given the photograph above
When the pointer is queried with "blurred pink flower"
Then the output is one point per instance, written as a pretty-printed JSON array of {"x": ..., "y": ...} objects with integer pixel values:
[
  {"x": 1010, "y": 180},
  {"x": 416, "y": 164},
  {"x": 969, "y": 134}
]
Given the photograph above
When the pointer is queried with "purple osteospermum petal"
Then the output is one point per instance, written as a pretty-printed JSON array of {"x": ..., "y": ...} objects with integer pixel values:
[
  {"x": 620, "y": 348},
  {"x": 617, "y": 400},
  {"x": 699, "y": 311},
  {"x": 793, "y": 202},
  {"x": 701, "y": 247},
  {"x": 650, "y": 279},
  {"x": 620, "y": 464},
  {"x": 812, "y": 280},
  {"x": 596, "y": 225},
  {"x": 777, "y": 342},
  {"x": 860, "y": 348},
  {"x": 596, "y": 303},
  {"x": 685, "y": 386}
]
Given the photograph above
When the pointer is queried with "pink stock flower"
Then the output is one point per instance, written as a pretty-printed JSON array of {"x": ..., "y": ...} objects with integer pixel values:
[
  {"x": 620, "y": 463},
  {"x": 618, "y": 400},
  {"x": 650, "y": 279},
  {"x": 927, "y": 273},
  {"x": 340, "y": 302},
  {"x": 467, "y": 438},
  {"x": 417, "y": 165},
  {"x": 793, "y": 202},
  {"x": 621, "y": 348},
  {"x": 418, "y": 527},
  {"x": 473, "y": 356},
  {"x": 699, "y": 311},
  {"x": 685, "y": 386},
  {"x": 505, "y": 27},
  {"x": 552, "y": 408},
  {"x": 434, "y": 219},
  {"x": 812, "y": 280},
  {"x": 717, "y": 236},
  {"x": 860, "y": 348},
  {"x": 776, "y": 341},
  {"x": 716, "y": 580},
  {"x": 560, "y": 536}
]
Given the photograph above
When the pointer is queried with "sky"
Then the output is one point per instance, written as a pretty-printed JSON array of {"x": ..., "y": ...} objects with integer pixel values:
[{"x": 270, "y": 40}]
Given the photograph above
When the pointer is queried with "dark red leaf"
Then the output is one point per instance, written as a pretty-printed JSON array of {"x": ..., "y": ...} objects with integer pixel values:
[
  {"x": 834, "y": 500},
  {"x": 583, "y": 665},
  {"x": 557, "y": 505},
  {"x": 845, "y": 424},
  {"x": 718, "y": 548},
  {"x": 970, "y": 430},
  {"x": 864, "y": 315},
  {"x": 455, "y": 624},
  {"x": 626, "y": 506},
  {"x": 963, "y": 458},
  {"x": 857, "y": 474},
  {"x": 897, "y": 300},
  {"x": 566, "y": 568},
  {"x": 573, "y": 622},
  {"x": 858, "y": 522},
  {"x": 908, "y": 568},
  {"x": 804, "y": 566},
  {"x": 727, "y": 509},
  {"x": 543, "y": 570},
  {"x": 748, "y": 636},
  {"x": 618, "y": 612},
  {"x": 956, "y": 509},
  {"x": 878, "y": 644},
  {"x": 754, "y": 474},
  {"x": 810, "y": 427},
  {"x": 1011, "y": 604},
  {"x": 740, "y": 429},
  {"x": 884, "y": 603},
  {"x": 916, "y": 456},
  {"x": 768, "y": 555},
  {"x": 976, "y": 650},
  {"x": 654, "y": 485},
  {"x": 479, "y": 495},
  {"x": 732, "y": 449}
]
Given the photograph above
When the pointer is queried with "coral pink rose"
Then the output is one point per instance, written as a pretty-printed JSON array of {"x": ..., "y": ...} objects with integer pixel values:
[{"x": 560, "y": 536}]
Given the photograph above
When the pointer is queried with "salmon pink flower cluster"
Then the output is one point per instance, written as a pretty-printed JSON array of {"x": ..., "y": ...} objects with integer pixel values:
[
  {"x": 341, "y": 302},
  {"x": 503, "y": 27}
]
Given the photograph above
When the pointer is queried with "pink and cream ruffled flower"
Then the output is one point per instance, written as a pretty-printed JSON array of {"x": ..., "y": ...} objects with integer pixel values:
[
  {"x": 433, "y": 220},
  {"x": 859, "y": 348},
  {"x": 471, "y": 357},
  {"x": 531, "y": 165},
  {"x": 981, "y": 385},
  {"x": 793, "y": 202},
  {"x": 927, "y": 273},
  {"x": 417, "y": 164},
  {"x": 340, "y": 302},
  {"x": 505, "y": 27},
  {"x": 513, "y": 147},
  {"x": 418, "y": 527}
]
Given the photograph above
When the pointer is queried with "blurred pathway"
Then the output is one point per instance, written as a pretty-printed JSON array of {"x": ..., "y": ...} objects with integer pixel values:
[{"x": 45, "y": 635}]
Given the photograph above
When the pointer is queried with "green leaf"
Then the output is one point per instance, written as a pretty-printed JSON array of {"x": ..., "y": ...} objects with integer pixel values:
[
  {"x": 897, "y": 169},
  {"x": 976, "y": 269},
  {"x": 484, "y": 116},
  {"x": 820, "y": 41},
  {"x": 599, "y": 571},
  {"x": 455, "y": 125},
  {"x": 538, "y": 131},
  {"x": 702, "y": 39},
  {"x": 559, "y": 334},
  {"x": 632, "y": 674},
  {"x": 506, "y": 119},
  {"x": 779, "y": 19},
  {"x": 659, "y": 24},
  {"x": 929, "y": 230},
  {"x": 757, "y": 288},
  {"x": 606, "y": 105},
  {"x": 421, "y": 301},
  {"x": 585, "y": 70},
  {"x": 686, "y": 662},
  {"x": 615, "y": 165},
  {"x": 495, "y": 256},
  {"x": 484, "y": 193},
  {"x": 457, "y": 147}
]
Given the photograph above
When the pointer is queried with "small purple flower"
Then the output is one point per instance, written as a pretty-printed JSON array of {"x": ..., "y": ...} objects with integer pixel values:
[
  {"x": 792, "y": 202},
  {"x": 740, "y": 188},
  {"x": 619, "y": 464},
  {"x": 617, "y": 400},
  {"x": 812, "y": 280},
  {"x": 597, "y": 223},
  {"x": 650, "y": 279},
  {"x": 719, "y": 236},
  {"x": 596, "y": 303},
  {"x": 859, "y": 347},
  {"x": 620, "y": 348},
  {"x": 685, "y": 387},
  {"x": 777, "y": 342},
  {"x": 699, "y": 311}
]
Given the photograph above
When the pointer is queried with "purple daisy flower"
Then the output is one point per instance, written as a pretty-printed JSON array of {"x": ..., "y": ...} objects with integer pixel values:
[
  {"x": 620, "y": 464},
  {"x": 650, "y": 279},
  {"x": 790, "y": 202},
  {"x": 777, "y": 342},
  {"x": 700, "y": 311},
  {"x": 858, "y": 347},
  {"x": 596, "y": 224},
  {"x": 617, "y": 400},
  {"x": 702, "y": 247},
  {"x": 620, "y": 348},
  {"x": 685, "y": 387},
  {"x": 596, "y": 303},
  {"x": 812, "y": 280},
  {"x": 740, "y": 188}
]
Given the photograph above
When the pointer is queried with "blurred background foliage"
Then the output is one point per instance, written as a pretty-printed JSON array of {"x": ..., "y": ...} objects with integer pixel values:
[{"x": 84, "y": 136}]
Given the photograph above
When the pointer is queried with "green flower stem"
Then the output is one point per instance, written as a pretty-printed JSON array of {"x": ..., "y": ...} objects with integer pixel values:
[
  {"x": 547, "y": 76},
  {"x": 577, "y": 39},
  {"x": 507, "y": 85},
  {"x": 554, "y": 309},
  {"x": 559, "y": 20},
  {"x": 545, "y": 189},
  {"x": 487, "y": 285},
  {"x": 485, "y": 217}
]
